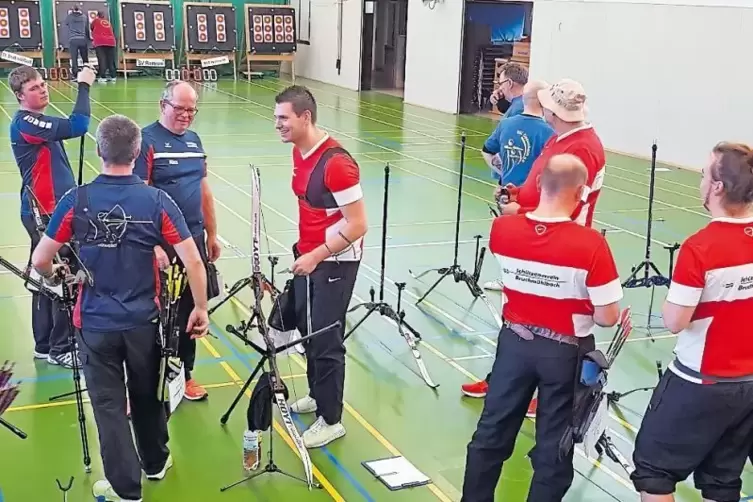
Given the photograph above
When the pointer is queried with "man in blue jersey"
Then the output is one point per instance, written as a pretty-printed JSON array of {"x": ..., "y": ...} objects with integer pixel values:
[
  {"x": 117, "y": 220},
  {"x": 173, "y": 159},
  {"x": 512, "y": 78},
  {"x": 37, "y": 143},
  {"x": 518, "y": 140}
]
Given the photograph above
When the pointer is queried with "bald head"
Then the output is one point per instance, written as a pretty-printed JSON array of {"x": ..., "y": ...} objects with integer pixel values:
[
  {"x": 564, "y": 174},
  {"x": 178, "y": 106},
  {"x": 531, "y": 103}
]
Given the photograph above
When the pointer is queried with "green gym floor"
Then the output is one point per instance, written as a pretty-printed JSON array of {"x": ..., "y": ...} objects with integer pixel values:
[{"x": 388, "y": 408}]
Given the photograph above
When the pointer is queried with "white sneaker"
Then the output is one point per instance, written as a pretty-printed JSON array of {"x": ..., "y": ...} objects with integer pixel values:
[
  {"x": 101, "y": 80},
  {"x": 493, "y": 286},
  {"x": 304, "y": 405},
  {"x": 161, "y": 474},
  {"x": 103, "y": 489},
  {"x": 320, "y": 433}
]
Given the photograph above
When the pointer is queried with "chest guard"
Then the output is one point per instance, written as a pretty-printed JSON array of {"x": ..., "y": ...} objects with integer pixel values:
[{"x": 317, "y": 194}]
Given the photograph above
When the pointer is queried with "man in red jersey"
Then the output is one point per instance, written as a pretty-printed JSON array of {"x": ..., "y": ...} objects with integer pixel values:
[
  {"x": 331, "y": 227},
  {"x": 700, "y": 417},
  {"x": 559, "y": 281},
  {"x": 103, "y": 40},
  {"x": 564, "y": 105}
]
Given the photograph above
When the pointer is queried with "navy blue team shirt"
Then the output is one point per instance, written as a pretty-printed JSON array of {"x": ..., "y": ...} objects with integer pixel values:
[
  {"x": 37, "y": 143},
  {"x": 175, "y": 163},
  {"x": 135, "y": 217},
  {"x": 518, "y": 140}
]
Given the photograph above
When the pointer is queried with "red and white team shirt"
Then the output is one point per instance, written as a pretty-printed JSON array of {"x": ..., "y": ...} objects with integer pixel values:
[
  {"x": 330, "y": 184},
  {"x": 554, "y": 271},
  {"x": 714, "y": 274},
  {"x": 585, "y": 144}
]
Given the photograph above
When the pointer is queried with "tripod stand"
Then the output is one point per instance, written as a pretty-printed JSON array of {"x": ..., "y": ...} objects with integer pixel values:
[
  {"x": 269, "y": 354},
  {"x": 396, "y": 315},
  {"x": 647, "y": 266},
  {"x": 454, "y": 270},
  {"x": 68, "y": 303}
]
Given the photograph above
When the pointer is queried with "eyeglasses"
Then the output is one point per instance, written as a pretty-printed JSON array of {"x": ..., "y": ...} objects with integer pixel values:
[{"x": 180, "y": 110}]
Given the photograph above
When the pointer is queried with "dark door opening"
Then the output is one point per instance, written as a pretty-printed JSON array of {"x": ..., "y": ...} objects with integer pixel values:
[{"x": 383, "y": 48}]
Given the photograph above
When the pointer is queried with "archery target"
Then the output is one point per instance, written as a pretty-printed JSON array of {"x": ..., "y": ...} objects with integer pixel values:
[
  {"x": 147, "y": 26},
  {"x": 272, "y": 30},
  {"x": 20, "y": 26},
  {"x": 211, "y": 28},
  {"x": 89, "y": 8}
]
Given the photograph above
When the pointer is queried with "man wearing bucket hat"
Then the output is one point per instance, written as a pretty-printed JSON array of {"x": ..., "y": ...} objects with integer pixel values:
[{"x": 564, "y": 105}]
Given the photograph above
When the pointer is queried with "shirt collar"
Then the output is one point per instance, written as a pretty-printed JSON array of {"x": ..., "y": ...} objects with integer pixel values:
[
  {"x": 543, "y": 219},
  {"x": 109, "y": 179},
  {"x": 315, "y": 147},
  {"x": 727, "y": 219},
  {"x": 578, "y": 129}
]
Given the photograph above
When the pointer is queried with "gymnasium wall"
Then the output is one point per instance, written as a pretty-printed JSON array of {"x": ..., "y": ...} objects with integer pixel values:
[
  {"x": 46, "y": 8},
  {"x": 318, "y": 59},
  {"x": 672, "y": 72},
  {"x": 433, "y": 52}
]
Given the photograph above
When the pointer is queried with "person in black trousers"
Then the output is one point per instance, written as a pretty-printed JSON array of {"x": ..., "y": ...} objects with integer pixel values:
[{"x": 78, "y": 38}]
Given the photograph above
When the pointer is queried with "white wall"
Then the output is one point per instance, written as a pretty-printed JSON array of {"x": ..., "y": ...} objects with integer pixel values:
[
  {"x": 674, "y": 73},
  {"x": 317, "y": 60},
  {"x": 434, "y": 47}
]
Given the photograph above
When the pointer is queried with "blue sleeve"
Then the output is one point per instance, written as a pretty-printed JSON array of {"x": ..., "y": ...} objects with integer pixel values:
[
  {"x": 60, "y": 227},
  {"x": 492, "y": 144},
  {"x": 172, "y": 223},
  {"x": 142, "y": 167},
  {"x": 42, "y": 129}
]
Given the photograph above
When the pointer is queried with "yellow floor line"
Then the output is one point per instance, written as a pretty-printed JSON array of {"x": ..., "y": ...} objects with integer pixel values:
[{"x": 359, "y": 418}]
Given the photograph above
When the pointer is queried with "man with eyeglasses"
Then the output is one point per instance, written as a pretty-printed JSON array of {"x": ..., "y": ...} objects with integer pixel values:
[{"x": 172, "y": 158}]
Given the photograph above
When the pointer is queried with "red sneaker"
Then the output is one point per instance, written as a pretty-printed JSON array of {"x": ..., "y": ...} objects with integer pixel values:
[
  {"x": 477, "y": 390},
  {"x": 532, "y": 407},
  {"x": 194, "y": 391}
]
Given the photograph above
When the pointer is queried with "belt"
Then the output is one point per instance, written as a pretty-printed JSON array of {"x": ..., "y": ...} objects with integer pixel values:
[
  {"x": 709, "y": 378},
  {"x": 527, "y": 332}
]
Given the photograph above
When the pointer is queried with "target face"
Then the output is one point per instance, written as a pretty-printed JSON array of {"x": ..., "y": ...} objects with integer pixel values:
[
  {"x": 4, "y": 23},
  {"x": 20, "y": 27},
  {"x": 272, "y": 30},
  {"x": 211, "y": 28},
  {"x": 147, "y": 26},
  {"x": 89, "y": 9}
]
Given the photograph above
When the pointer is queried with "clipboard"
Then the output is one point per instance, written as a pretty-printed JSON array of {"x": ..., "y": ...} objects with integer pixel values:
[{"x": 396, "y": 473}]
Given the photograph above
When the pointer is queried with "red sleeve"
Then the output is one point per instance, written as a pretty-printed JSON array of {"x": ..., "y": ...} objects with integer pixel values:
[
  {"x": 343, "y": 179},
  {"x": 496, "y": 236},
  {"x": 688, "y": 278},
  {"x": 603, "y": 280}
]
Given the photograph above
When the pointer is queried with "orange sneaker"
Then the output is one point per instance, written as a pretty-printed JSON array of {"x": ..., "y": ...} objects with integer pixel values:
[
  {"x": 532, "y": 407},
  {"x": 194, "y": 391},
  {"x": 477, "y": 390}
]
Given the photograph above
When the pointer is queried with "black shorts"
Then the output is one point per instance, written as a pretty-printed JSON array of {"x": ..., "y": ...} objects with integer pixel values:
[{"x": 689, "y": 428}]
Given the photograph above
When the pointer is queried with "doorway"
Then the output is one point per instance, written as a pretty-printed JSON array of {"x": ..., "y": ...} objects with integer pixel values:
[{"x": 383, "y": 48}]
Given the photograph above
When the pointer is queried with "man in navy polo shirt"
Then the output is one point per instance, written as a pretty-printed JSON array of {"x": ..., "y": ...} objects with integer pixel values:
[
  {"x": 117, "y": 220},
  {"x": 37, "y": 143},
  {"x": 512, "y": 78},
  {"x": 173, "y": 159}
]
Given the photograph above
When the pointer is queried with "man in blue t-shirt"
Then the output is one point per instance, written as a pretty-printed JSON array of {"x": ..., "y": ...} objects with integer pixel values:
[
  {"x": 512, "y": 79},
  {"x": 118, "y": 220},
  {"x": 517, "y": 141}
]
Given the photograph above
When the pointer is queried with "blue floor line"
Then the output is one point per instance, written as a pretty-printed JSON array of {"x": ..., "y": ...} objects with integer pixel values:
[{"x": 340, "y": 467}]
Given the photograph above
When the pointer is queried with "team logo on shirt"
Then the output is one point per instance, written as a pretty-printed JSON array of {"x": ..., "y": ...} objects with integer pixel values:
[
  {"x": 539, "y": 229},
  {"x": 39, "y": 123},
  {"x": 748, "y": 231},
  {"x": 110, "y": 227},
  {"x": 191, "y": 144}
]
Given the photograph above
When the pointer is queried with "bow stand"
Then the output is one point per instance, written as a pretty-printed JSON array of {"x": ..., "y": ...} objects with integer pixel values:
[
  {"x": 455, "y": 270},
  {"x": 171, "y": 384},
  {"x": 396, "y": 315},
  {"x": 260, "y": 285}
]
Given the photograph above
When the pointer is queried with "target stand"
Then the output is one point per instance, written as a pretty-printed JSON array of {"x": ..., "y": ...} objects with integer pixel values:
[
  {"x": 147, "y": 36},
  {"x": 211, "y": 37},
  {"x": 61, "y": 9},
  {"x": 21, "y": 39},
  {"x": 271, "y": 35}
]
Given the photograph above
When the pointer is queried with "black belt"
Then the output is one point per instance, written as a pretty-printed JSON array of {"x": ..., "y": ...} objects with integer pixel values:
[
  {"x": 528, "y": 332},
  {"x": 716, "y": 379}
]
